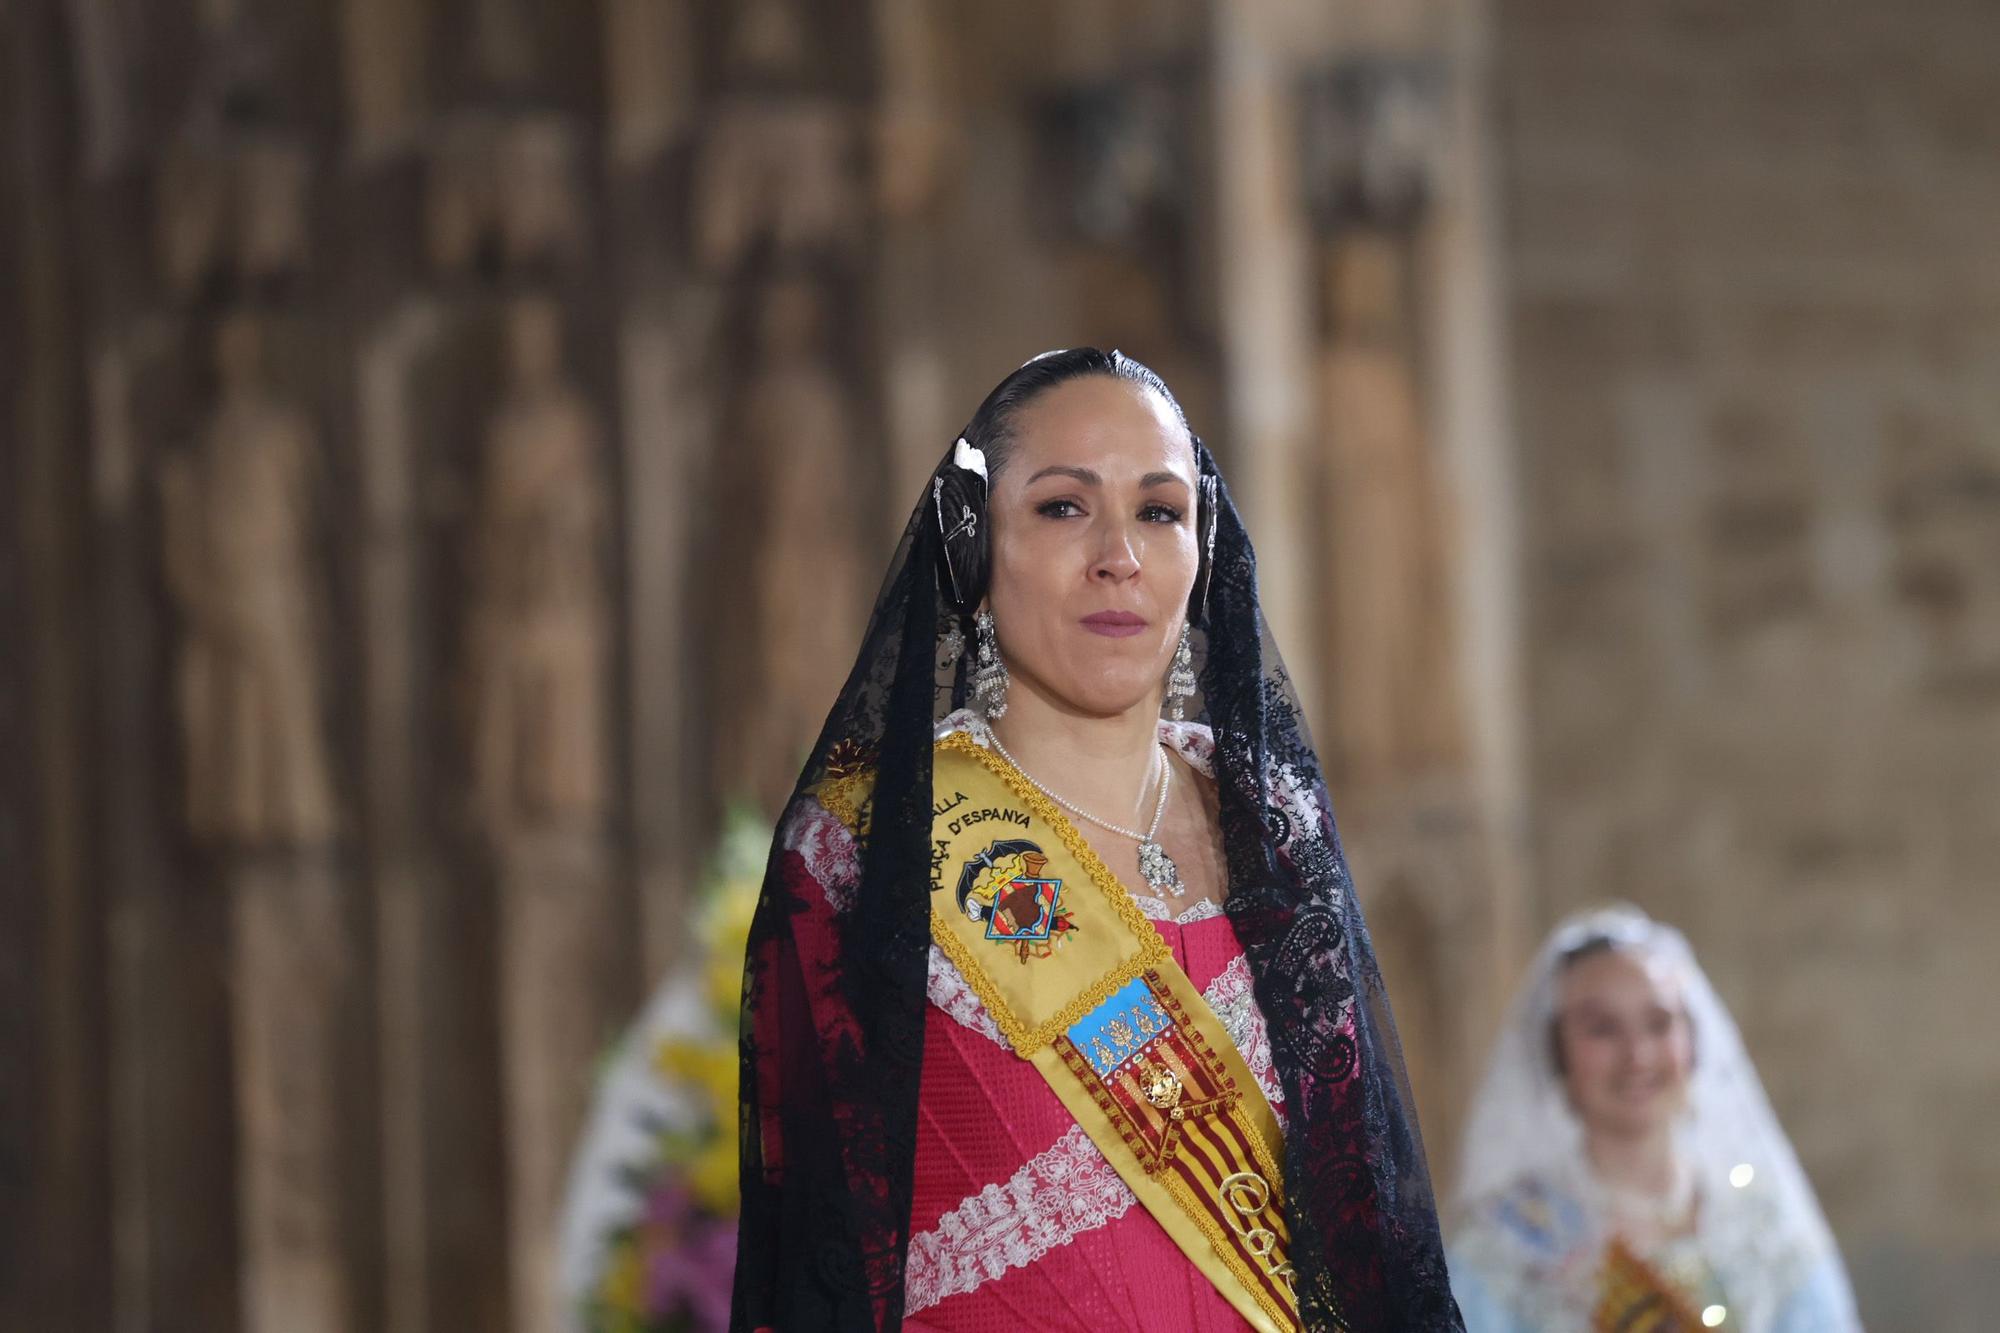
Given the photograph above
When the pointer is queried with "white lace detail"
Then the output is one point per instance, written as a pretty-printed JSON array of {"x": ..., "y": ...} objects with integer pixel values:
[
  {"x": 963, "y": 719},
  {"x": 1159, "y": 909},
  {"x": 1192, "y": 741},
  {"x": 827, "y": 847},
  {"x": 1062, "y": 1192},
  {"x": 951, "y": 992},
  {"x": 1235, "y": 1003}
]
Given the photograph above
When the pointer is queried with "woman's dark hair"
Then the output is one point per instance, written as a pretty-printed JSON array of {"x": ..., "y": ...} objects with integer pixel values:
[
  {"x": 992, "y": 428},
  {"x": 1569, "y": 958}
]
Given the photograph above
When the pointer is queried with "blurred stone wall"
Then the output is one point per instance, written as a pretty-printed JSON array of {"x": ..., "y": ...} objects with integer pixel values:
[{"x": 1753, "y": 317}]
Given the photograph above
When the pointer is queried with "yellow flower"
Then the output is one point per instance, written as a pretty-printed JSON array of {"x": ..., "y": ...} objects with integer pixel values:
[
  {"x": 725, "y": 919},
  {"x": 624, "y": 1289},
  {"x": 712, "y": 1176},
  {"x": 712, "y": 1068},
  {"x": 722, "y": 983},
  {"x": 721, "y": 931}
]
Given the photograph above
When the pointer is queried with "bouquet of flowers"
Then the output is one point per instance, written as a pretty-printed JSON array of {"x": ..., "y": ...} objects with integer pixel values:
[{"x": 649, "y": 1235}]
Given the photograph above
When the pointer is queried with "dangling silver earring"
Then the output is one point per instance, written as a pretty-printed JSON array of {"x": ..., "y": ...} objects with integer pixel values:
[
  {"x": 989, "y": 678},
  {"x": 951, "y": 643},
  {"x": 1180, "y": 679}
]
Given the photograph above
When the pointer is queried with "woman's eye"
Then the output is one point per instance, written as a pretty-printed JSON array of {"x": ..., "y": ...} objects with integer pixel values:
[
  {"x": 1058, "y": 509},
  {"x": 1159, "y": 513}
]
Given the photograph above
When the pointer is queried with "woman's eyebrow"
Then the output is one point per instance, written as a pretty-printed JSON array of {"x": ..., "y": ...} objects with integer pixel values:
[
  {"x": 1082, "y": 474},
  {"x": 1089, "y": 478}
]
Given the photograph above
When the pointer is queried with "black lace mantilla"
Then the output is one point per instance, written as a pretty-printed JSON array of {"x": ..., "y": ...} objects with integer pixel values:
[{"x": 834, "y": 1000}]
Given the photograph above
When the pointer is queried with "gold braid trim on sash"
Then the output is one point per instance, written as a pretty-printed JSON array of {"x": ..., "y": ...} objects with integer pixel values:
[
  {"x": 846, "y": 798},
  {"x": 1083, "y": 987},
  {"x": 1153, "y": 949}
]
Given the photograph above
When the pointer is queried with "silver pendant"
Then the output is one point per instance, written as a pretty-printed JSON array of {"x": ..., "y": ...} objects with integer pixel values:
[{"x": 1162, "y": 876}]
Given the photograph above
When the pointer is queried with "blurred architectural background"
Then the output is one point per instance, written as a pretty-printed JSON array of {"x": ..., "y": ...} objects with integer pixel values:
[{"x": 449, "y": 446}]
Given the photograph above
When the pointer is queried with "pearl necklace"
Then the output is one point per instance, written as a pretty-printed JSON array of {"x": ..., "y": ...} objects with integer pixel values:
[{"x": 1155, "y": 866}]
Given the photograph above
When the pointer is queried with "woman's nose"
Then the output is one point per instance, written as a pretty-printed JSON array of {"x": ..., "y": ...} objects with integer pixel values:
[{"x": 1117, "y": 557}]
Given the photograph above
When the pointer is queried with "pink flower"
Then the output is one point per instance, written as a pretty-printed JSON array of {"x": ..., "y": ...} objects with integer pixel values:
[{"x": 694, "y": 1276}]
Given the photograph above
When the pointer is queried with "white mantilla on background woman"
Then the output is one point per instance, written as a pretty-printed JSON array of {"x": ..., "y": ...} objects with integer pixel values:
[{"x": 1623, "y": 1168}]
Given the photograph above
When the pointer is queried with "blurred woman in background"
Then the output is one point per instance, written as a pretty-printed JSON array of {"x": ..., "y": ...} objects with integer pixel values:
[
  {"x": 1622, "y": 1166},
  {"x": 1006, "y": 1060}
]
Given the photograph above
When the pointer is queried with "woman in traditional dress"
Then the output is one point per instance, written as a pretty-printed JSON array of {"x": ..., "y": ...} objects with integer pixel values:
[
  {"x": 1059, "y": 1012},
  {"x": 1622, "y": 1167}
]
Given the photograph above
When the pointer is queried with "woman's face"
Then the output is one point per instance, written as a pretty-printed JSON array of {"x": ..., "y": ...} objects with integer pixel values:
[
  {"x": 1626, "y": 1046},
  {"x": 1094, "y": 551}
]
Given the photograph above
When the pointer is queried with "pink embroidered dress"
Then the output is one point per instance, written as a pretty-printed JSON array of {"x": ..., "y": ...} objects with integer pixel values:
[{"x": 1017, "y": 1219}]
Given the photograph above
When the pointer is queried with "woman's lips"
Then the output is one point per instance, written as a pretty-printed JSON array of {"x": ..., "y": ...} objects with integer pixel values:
[{"x": 1114, "y": 624}]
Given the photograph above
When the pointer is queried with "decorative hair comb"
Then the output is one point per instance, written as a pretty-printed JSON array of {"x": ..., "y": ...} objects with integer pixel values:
[{"x": 972, "y": 460}]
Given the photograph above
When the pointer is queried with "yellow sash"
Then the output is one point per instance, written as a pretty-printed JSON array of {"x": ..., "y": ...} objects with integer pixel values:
[
  {"x": 1081, "y": 985},
  {"x": 1634, "y": 1297}
]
